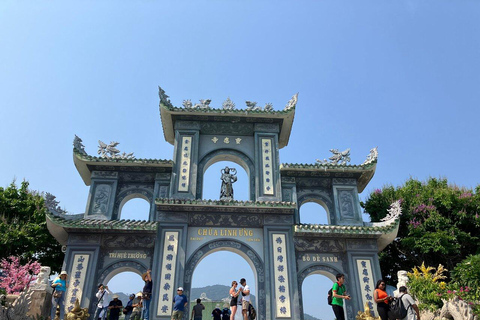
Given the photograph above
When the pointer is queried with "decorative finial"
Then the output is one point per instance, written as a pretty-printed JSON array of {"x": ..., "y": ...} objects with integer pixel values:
[
  {"x": 78, "y": 145},
  {"x": 164, "y": 98},
  {"x": 187, "y": 104},
  {"x": 111, "y": 152},
  {"x": 338, "y": 157},
  {"x": 252, "y": 106},
  {"x": 372, "y": 156},
  {"x": 228, "y": 104},
  {"x": 268, "y": 106},
  {"x": 292, "y": 102}
]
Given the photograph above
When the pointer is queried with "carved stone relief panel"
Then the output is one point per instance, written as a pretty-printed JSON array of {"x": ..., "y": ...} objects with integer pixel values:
[
  {"x": 362, "y": 244},
  {"x": 104, "y": 174},
  {"x": 278, "y": 219},
  {"x": 287, "y": 195},
  {"x": 172, "y": 217},
  {"x": 344, "y": 181},
  {"x": 137, "y": 177},
  {"x": 233, "y": 220},
  {"x": 81, "y": 238},
  {"x": 128, "y": 241},
  {"x": 318, "y": 245},
  {"x": 101, "y": 198},
  {"x": 314, "y": 182},
  {"x": 163, "y": 192},
  {"x": 347, "y": 204}
]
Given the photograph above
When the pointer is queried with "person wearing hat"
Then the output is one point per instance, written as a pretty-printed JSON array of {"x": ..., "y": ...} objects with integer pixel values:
[
  {"x": 179, "y": 303},
  {"x": 137, "y": 307},
  {"x": 147, "y": 293},
  {"x": 127, "y": 311},
  {"x": 115, "y": 306},
  {"x": 103, "y": 296},
  {"x": 59, "y": 286}
]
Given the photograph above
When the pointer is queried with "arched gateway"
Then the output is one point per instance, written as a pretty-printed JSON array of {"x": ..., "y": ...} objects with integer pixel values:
[{"x": 183, "y": 228}]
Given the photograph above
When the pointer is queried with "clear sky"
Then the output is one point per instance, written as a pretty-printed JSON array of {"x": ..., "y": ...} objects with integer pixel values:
[{"x": 400, "y": 75}]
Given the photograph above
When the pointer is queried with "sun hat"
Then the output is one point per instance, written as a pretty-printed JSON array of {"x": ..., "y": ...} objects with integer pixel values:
[
  {"x": 115, "y": 296},
  {"x": 139, "y": 294},
  {"x": 180, "y": 289},
  {"x": 63, "y": 273}
]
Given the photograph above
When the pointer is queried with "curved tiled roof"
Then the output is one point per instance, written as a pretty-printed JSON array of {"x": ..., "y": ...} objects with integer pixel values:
[
  {"x": 385, "y": 231},
  {"x": 279, "y": 207},
  {"x": 236, "y": 203},
  {"x": 168, "y": 111},
  {"x": 83, "y": 161},
  {"x": 103, "y": 224}
]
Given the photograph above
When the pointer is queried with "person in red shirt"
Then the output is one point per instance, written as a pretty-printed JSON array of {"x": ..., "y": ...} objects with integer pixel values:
[{"x": 382, "y": 299}]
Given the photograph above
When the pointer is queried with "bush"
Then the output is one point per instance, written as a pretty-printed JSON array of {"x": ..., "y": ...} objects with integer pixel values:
[
  {"x": 467, "y": 274},
  {"x": 426, "y": 285}
]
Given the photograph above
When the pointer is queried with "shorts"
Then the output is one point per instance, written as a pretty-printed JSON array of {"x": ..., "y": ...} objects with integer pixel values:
[
  {"x": 177, "y": 315},
  {"x": 245, "y": 304}
]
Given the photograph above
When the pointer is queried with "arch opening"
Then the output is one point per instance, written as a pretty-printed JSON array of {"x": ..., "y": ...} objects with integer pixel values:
[
  {"x": 314, "y": 211},
  {"x": 123, "y": 282},
  {"x": 228, "y": 265},
  {"x": 314, "y": 304},
  {"x": 212, "y": 177},
  {"x": 134, "y": 207}
]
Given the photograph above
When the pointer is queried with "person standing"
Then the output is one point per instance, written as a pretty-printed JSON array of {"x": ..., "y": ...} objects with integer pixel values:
[
  {"x": 234, "y": 301},
  {"x": 380, "y": 296},
  {"x": 179, "y": 303},
  {"x": 129, "y": 307},
  {"x": 245, "y": 289},
  {"x": 413, "y": 313},
  {"x": 137, "y": 307},
  {"x": 338, "y": 293},
  {"x": 197, "y": 310},
  {"x": 217, "y": 313},
  {"x": 147, "y": 293},
  {"x": 115, "y": 306},
  {"x": 58, "y": 297},
  {"x": 103, "y": 296}
]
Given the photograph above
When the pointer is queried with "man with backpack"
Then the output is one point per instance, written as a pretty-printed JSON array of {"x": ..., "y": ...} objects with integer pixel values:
[
  {"x": 409, "y": 304},
  {"x": 338, "y": 295}
]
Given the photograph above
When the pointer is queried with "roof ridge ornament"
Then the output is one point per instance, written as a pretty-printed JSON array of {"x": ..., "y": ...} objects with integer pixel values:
[
  {"x": 164, "y": 98},
  {"x": 372, "y": 156},
  {"x": 78, "y": 145},
  {"x": 394, "y": 211},
  {"x": 228, "y": 104},
  {"x": 109, "y": 151},
  {"x": 292, "y": 102},
  {"x": 338, "y": 157}
]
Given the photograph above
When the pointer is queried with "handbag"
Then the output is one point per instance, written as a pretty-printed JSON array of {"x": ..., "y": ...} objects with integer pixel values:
[{"x": 57, "y": 294}]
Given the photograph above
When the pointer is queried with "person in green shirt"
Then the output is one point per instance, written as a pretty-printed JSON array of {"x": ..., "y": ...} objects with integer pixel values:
[{"x": 339, "y": 295}]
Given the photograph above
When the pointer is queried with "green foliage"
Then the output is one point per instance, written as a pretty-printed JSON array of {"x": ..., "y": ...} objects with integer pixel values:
[
  {"x": 23, "y": 227},
  {"x": 426, "y": 285},
  {"x": 466, "y": 276},
  {"x": 440, "y": 224}
]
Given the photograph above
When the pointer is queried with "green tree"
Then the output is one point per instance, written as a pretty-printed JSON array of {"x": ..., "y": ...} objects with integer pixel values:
[
  {"x": 440, "y": 224},
  {"x": 23, "y": 227}
]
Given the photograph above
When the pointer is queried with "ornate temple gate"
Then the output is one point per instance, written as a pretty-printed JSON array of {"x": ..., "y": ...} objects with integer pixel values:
[{"x": 183, "y": 229}]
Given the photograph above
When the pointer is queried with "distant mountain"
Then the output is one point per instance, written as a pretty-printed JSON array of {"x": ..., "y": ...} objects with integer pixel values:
[{"x": 215, "y": 293}]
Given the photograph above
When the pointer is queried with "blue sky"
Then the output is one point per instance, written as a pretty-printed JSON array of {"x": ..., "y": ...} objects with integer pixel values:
[{"x": 400, "y": 75}]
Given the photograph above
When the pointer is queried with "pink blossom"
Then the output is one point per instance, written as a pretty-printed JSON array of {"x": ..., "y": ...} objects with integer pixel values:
[
  {"x": 378, "y": 191},
  {"x": 17, "y": 277}
]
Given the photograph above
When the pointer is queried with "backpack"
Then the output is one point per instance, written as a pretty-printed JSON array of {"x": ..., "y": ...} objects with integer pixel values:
[
  {"x": 397, "y": 309},
  {"x": 330, "y": 297},
  {"x": 252, "y": 314},
  {"x": 225, "y": 314}
]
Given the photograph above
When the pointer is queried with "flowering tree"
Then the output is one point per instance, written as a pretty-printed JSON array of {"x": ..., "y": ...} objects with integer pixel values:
[
  {"x": 16, "y": 277},
  {"x": 440, "y": 224}
]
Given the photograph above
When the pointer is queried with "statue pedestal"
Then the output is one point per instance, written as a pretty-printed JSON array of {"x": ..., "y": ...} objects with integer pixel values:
[{"x": 41, "y": 303}]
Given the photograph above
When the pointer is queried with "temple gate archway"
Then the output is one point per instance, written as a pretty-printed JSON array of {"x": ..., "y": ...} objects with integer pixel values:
[{"x": 182, "y": 227}]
